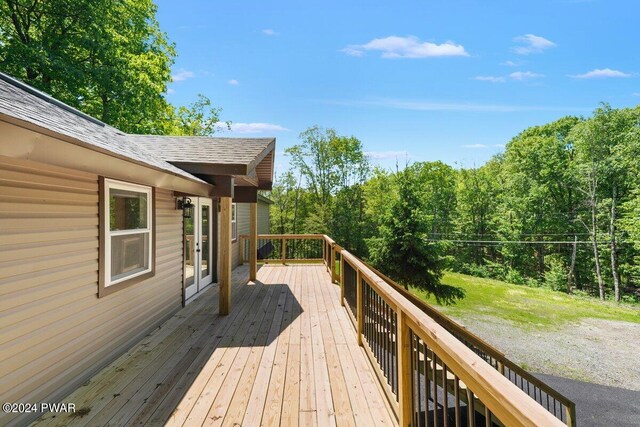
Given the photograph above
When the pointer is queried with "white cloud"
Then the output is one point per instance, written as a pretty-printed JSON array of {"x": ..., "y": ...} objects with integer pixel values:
[
  {"x": 352, "y": 51},
  {"x": 182, "y": 75},
  {"x": 511, "y": 63},
  {"x": 636, "y": 94},
  {"x": 492, "y": 79},
  {"x": 270, "y": 32},
  {"x": 601, "y": 73},
  {"x": 406, "y": 47},
  {"x": 524, "y": 75},
  {"x": 170, "y": 91},
  {"x": 384, "y": 155},
  {"x": 517, "y": 76},
  {"x": 530, "y": 43},
  {"x": 475, "y": 146},
  {"x": 499, "y": 145},
  {"x": 252, "y": 127},
  {"x": 233, "y": 82}
]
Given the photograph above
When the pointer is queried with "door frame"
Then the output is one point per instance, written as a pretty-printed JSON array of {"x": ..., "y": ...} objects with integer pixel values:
[{"x": 200, "y": 282}]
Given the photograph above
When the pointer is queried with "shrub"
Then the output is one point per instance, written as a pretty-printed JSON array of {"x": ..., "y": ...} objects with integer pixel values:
[{"x": 556, "y": 275}]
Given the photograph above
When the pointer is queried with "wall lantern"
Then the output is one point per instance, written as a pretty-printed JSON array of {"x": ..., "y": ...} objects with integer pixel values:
[{"x": 186, "y": 206}]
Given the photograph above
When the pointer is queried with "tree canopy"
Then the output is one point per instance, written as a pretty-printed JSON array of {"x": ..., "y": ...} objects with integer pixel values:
[
  {"x": 109, "y": 59},
  {"x": 559, "y": 208}
]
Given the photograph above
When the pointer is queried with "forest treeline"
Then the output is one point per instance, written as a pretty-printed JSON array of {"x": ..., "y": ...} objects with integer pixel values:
[{"x": 559, "y": 208}]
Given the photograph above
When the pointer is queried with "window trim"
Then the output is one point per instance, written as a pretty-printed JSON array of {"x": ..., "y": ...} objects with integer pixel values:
[
  {"x": 234, "y": 221},
  {"x": 105, "y": 285}
]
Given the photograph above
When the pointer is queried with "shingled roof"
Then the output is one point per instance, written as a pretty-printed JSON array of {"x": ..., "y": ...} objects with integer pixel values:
[
  {"x": 27, "y": 104},
  {"x": 248, "y": 159}
]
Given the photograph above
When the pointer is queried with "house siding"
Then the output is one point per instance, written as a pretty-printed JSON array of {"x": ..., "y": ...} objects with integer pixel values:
[
  {"x": 54, "y": 330},
  {"x": 243, "y": 226},
  {"x": 264, "y": 225}
]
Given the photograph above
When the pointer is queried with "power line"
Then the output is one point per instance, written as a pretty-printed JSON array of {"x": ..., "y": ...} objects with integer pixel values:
[
  {"x": 525, "y": 242},
  {"x": 520, "y": 234},
  {"x": 504, "y": 242}
]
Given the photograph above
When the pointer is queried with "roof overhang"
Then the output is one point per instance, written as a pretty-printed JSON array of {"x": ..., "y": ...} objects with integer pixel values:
[{"x": 223, "y": 162}]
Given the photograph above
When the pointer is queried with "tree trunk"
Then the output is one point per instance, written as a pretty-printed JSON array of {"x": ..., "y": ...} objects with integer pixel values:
[
  {"x": 571, "y": 279},
  {"x": 596, "y": 252},
  {"x": 295, "y": 209},
  {"x": 614, "y": 254}
]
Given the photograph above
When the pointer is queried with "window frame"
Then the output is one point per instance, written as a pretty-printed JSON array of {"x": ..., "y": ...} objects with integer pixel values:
[
  {"x": 106, "y": 286},
  {"x": 234, "y": 222}
]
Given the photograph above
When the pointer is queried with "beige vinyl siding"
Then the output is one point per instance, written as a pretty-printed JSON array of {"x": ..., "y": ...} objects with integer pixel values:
[
  {"x": 243, "y": 227},
  {"x": 242, "y": 217},
  {"x": 263, "y": 218},
  {"x": 243, "y": 210},
  {"x": 54, "y": 331}
]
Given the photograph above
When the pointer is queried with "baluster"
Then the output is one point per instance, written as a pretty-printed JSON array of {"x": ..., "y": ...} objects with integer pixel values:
[{"x": 434, "y": 362}]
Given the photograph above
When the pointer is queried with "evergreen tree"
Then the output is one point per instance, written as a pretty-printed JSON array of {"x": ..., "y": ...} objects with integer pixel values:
[{"x": 401, "y": 248}]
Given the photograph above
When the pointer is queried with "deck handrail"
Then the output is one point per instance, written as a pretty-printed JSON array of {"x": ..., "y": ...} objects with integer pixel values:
[
  {"x": 403, "y": 342},
  {"x": 486, "y": 351},
  {"x": 507, "y": 402}
]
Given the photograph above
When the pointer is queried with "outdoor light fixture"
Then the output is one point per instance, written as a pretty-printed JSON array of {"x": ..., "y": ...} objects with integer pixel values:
[{"x": 186, "y": 206}]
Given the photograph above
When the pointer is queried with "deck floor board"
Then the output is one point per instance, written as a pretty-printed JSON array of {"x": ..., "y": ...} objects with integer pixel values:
[{"x": 286, "y": 355}]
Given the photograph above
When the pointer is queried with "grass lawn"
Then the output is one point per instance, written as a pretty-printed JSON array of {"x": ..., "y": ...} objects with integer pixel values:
[{"x": 529, "y": 307}]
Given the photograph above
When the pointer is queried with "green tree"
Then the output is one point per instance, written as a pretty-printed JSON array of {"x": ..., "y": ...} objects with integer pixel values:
[
  {"x": 401, "y": 247},
  {"x": 477, "y": 194},
  {"x": 200, "y": 118},
  {"x": 334, "y": 168},
  {"x": 287, "y": 199},
  {"x": 108, "y": 59},
  {"x": 539, "y": 198}
]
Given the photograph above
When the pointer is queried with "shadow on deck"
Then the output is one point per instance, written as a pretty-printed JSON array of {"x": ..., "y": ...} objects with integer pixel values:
[{"x": 286, "y": 355}]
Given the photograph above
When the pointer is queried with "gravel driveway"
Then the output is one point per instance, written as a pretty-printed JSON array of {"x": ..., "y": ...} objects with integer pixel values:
[{"x": 597, "y": 351}]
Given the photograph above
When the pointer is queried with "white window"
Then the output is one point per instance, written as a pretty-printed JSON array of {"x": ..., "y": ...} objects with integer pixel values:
[
  {"x": 127, "y": 234},
  {"x": 234, "y": 222}
]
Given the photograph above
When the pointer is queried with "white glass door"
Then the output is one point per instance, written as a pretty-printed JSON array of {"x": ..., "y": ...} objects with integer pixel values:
[
  {"x": 198, "y": 248},
  {"x": 205, "y": 244}
]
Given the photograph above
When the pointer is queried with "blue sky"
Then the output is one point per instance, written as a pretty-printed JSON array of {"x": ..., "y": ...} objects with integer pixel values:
[{"x": 424, "y": 80}]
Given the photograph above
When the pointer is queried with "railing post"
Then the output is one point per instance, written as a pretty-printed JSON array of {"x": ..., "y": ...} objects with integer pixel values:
[
  {"x": 333, "y": 262},
  {"x": 359, "y": 305},
  {"x": 342, "y": 281},
  {"x": 571, "y": 415},
  {"x": 253, "y": 242},
  {"x": 404, "y": 371},
  {"x": 284, "y": 249},
  {"x": 324, "y": 251}
]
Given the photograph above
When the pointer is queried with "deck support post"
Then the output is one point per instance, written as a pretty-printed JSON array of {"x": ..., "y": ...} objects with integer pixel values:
[
  {"x": 225, "y": 256},
  {"x": 404, "y": 371},
  {"x": 253, "y": 241}
]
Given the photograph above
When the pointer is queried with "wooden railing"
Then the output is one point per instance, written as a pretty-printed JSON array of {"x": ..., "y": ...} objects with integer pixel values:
[
  {"x": 553, "y": 401},
  {"x": 429, "y": 370},
  {"x": 282, "y": 248}
]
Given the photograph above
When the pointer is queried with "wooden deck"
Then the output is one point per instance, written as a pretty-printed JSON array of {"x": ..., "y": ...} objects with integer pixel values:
[{"x": 286, "y": 355}]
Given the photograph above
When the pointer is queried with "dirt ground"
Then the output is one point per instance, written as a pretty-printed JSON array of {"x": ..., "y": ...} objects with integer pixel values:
[{"x": 597, "y": 351}]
